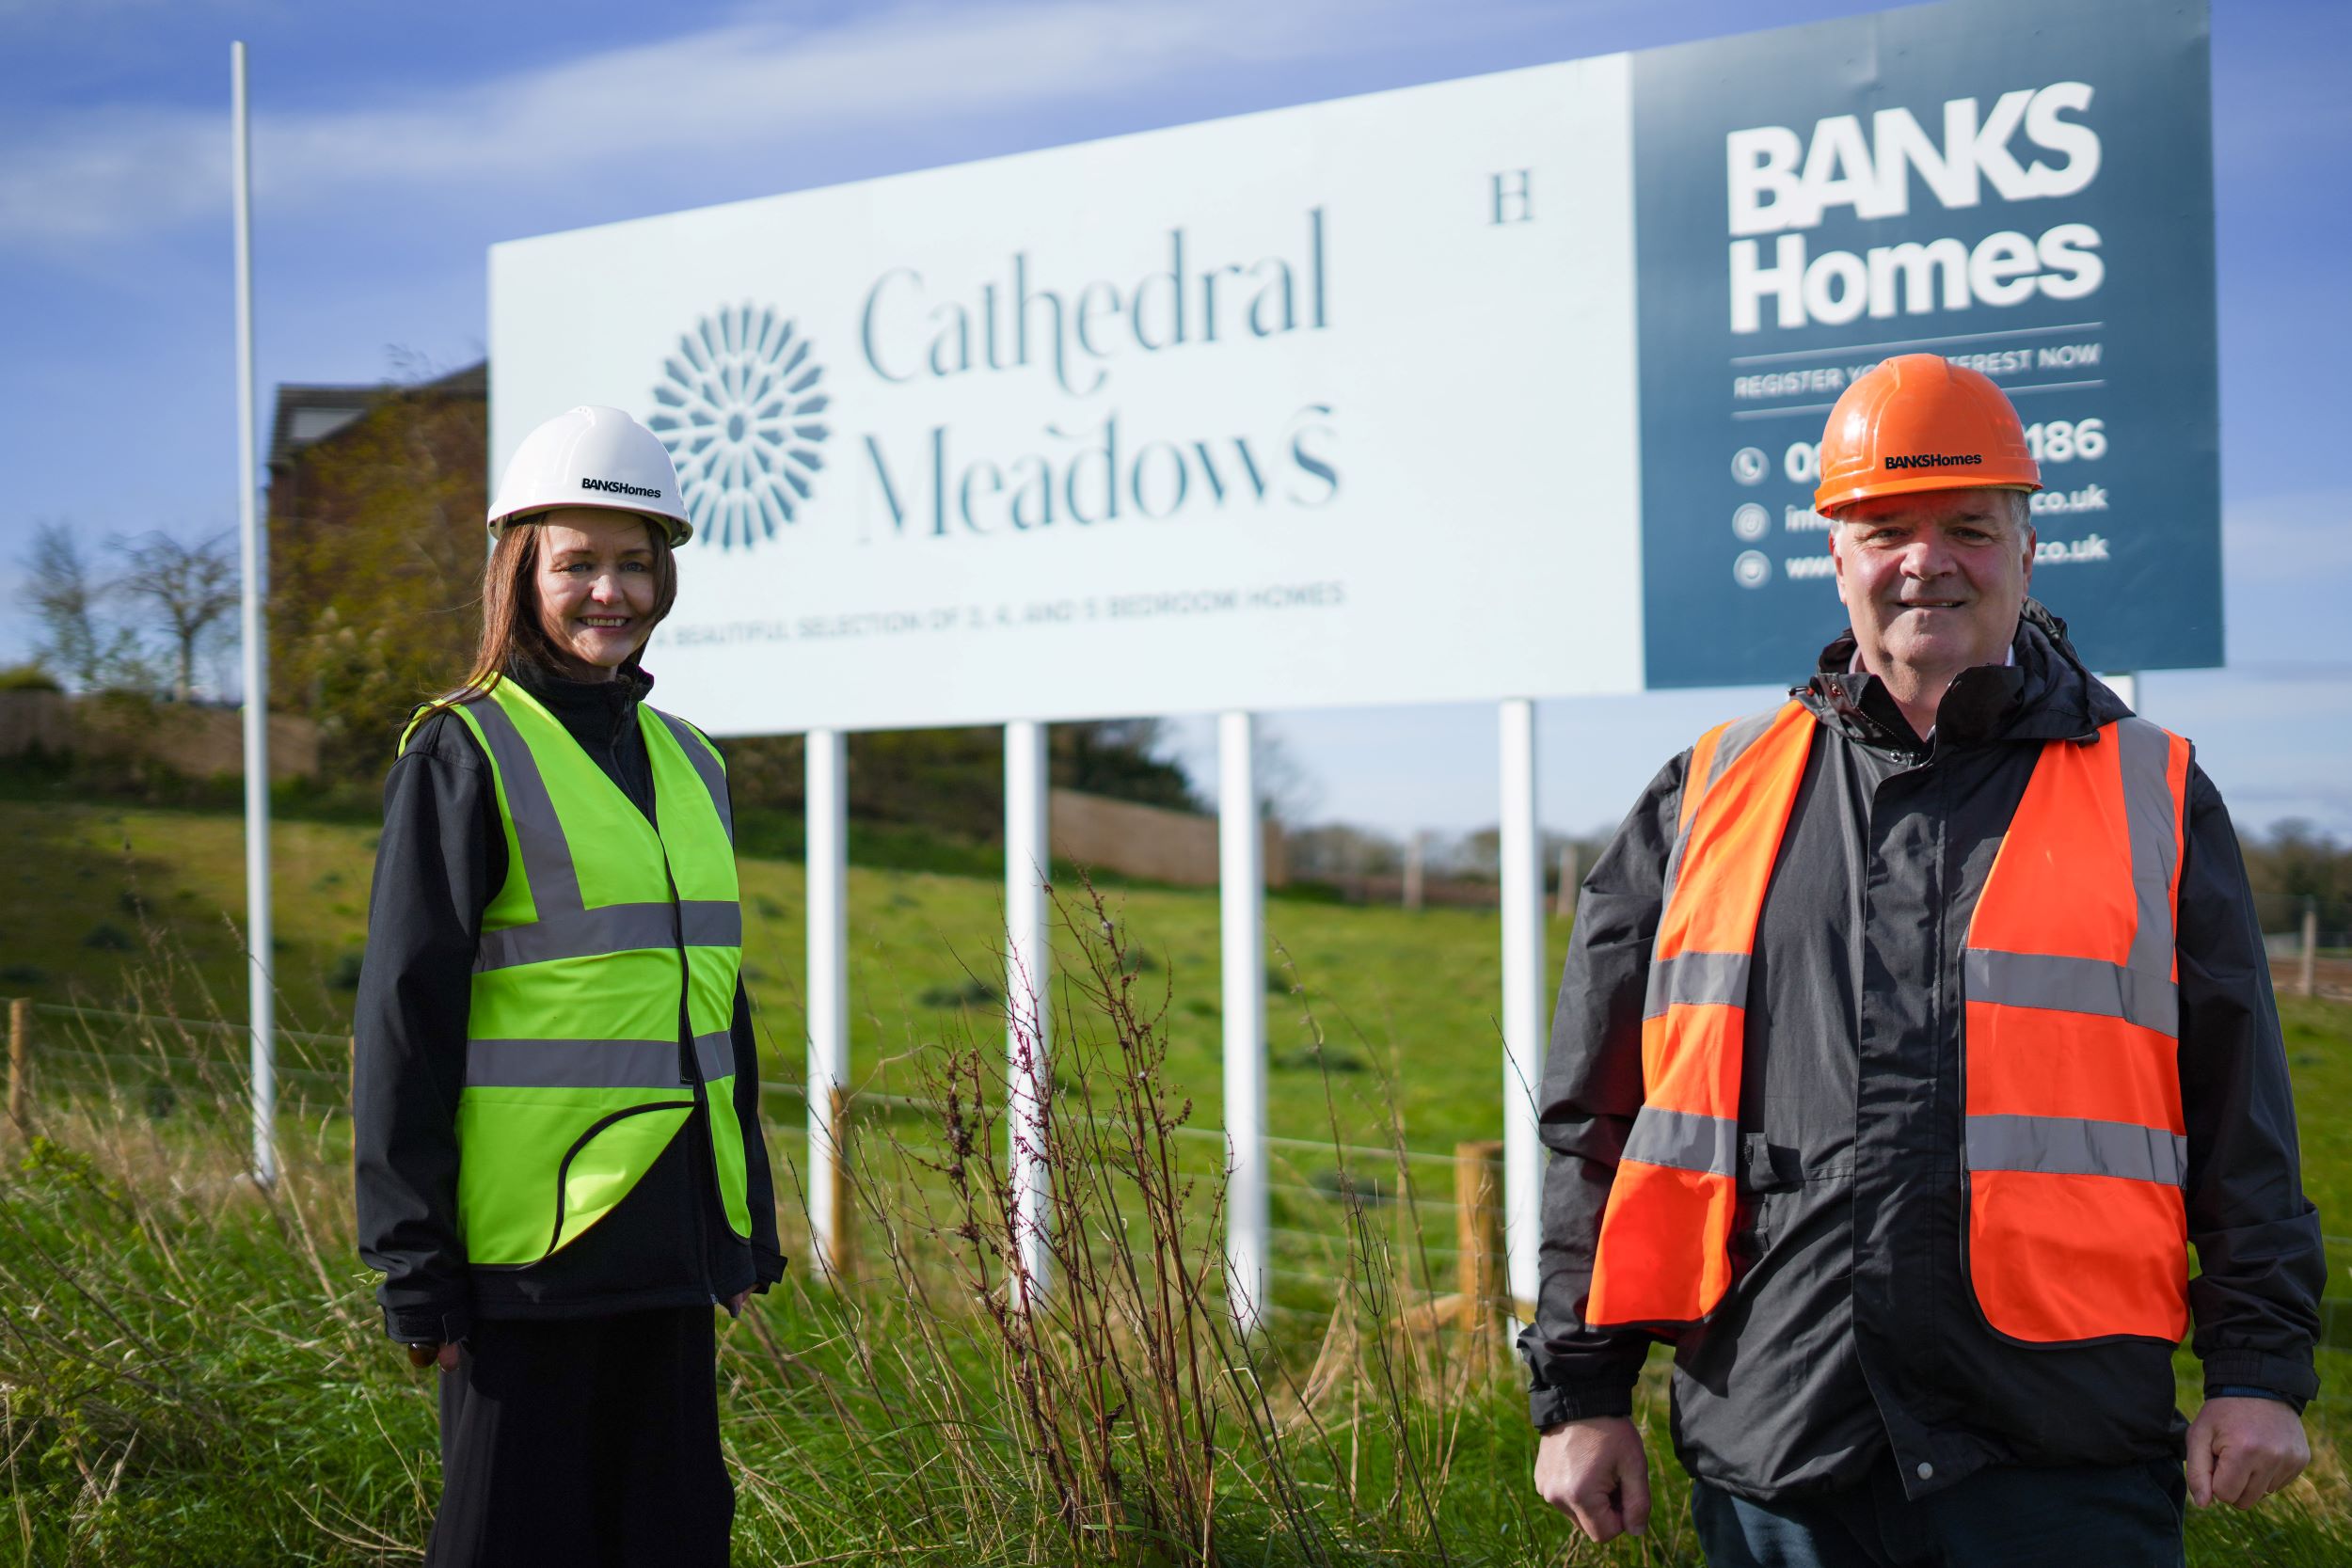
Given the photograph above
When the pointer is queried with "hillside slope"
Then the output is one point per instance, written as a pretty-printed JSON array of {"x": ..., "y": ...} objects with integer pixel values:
[{"x": 142, "y": 909}]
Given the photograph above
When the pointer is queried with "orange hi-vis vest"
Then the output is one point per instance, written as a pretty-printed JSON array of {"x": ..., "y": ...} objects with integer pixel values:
[{"x": 2075, "y": 1149}]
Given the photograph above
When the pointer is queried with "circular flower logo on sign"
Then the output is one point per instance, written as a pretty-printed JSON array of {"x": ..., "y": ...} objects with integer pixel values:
[{"x": 741, "y": 412}]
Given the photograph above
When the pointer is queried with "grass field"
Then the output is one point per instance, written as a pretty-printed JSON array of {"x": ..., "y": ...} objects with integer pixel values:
[
  {"x": 191, "y": 1370},
  {"x": 1404, "y": 998}
]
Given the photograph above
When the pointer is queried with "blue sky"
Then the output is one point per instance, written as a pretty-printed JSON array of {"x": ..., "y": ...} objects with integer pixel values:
[{"x": 396, "y": 142}]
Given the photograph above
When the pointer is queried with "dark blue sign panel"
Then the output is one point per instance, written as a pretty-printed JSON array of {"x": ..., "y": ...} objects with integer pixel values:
[{"x": 2025, "y": 186}]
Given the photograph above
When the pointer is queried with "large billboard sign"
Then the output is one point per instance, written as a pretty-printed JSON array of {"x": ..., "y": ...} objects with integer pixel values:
[{"x": 1502, "y": 386}]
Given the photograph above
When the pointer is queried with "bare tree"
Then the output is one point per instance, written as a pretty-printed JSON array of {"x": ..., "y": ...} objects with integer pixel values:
[
  {"x": 193, "y": 586},
  {"x": 1287, "y": 792},
  {"x": 69, "y": 595},
  {"x": 1332, "y": 851}
]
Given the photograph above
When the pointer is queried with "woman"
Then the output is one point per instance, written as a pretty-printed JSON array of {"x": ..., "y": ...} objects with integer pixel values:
[{"x": 560, "y": 1169}]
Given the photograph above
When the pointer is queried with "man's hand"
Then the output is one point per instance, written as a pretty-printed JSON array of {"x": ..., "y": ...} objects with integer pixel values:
[
  {"x": 443, "y": 1356},
  {"x": 734, "y": 1304},
  {"x": 1595, "y": 1472},
  {"x": 2240, "y": 1451}
]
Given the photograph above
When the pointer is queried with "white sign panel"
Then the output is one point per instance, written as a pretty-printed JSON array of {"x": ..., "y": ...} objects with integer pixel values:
[{"x": 1324, "y": 406}]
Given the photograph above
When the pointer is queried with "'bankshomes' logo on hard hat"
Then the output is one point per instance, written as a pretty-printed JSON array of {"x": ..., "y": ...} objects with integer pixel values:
[
  {"x": 741, "y": 411},
  {"x": 1937, "y": 460}
]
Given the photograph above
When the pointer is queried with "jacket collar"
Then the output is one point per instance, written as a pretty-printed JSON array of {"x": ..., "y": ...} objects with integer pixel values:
[
  {"x": 595, "y": 712},
  {"x": 2045, "y": 693}
]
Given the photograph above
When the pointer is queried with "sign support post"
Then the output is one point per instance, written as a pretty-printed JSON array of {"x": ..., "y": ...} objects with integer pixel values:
[
  {"x": 1028, "y": 1037},
  {"x": 262, "y": 999},
  {"x": 1521, "y": 848},
  {"x": 828, "y": 856},
  {"x": 1241, "y": 895}
]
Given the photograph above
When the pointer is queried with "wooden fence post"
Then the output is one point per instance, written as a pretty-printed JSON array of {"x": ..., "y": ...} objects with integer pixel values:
[
  {"x": 2310, "y": 976},
  {"x": 20, "y": 1062},
  {"x": 1478, "y": 1229}
]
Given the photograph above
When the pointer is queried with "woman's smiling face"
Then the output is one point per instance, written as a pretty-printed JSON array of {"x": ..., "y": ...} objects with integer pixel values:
[{"x": 596, "y": 586}]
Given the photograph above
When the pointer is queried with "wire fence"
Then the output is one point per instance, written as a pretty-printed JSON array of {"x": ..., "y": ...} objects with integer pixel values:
[
  {"x": 1343, "y": 1215},
  {"x": 1340, "y": 1213}
]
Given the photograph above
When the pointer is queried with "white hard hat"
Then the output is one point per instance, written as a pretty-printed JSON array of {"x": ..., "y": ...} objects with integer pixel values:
[{"x": 593, "y": 456}]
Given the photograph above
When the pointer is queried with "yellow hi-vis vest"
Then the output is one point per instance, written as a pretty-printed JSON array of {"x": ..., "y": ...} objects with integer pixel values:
[{"x": 577, "y": 1077}]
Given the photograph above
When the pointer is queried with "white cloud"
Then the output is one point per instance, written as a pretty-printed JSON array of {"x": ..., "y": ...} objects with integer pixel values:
[
  {"x": 112, "y": 172},
  {"x": 755, "y": 81}
]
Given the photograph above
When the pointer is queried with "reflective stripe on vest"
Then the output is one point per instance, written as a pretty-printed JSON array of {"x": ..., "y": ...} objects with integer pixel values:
[
  {"x": 2075, "y": 1148},
  {"x": 2074, "y": 1143},
  {"x": 1665, "y": 1234},
  {"x": 577, "y": 1077}
]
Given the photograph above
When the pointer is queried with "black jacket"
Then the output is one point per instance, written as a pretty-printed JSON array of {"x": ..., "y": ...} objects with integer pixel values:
[
  {"x": 1849, "y": 1326},
  {"x": 441, "y": 859}
]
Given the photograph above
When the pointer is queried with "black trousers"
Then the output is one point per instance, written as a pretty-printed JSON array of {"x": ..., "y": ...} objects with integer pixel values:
[
  {"x": 2088, "y": 1516},
  {"x": 593, "y": 1442}
]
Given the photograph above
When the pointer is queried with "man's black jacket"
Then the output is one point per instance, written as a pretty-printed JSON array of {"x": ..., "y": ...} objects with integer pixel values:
[
  {"x": 1849, "y": 1326},
  {"x": 442, "y": 857}
]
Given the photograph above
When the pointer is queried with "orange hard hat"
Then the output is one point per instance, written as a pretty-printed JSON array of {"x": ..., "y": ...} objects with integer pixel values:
[{"x": 1918, "y": 421}]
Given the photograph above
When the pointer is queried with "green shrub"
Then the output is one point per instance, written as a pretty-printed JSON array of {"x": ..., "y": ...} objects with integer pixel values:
[
  {"x": 973, "y": 992},
  {"x": 28, "y": 678}
]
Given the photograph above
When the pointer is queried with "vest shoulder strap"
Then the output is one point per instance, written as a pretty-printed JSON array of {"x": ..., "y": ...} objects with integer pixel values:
[
  {"x": 422, "y": 711},
  {"x": 702, "y": 757},
  {"x": 689, "y": 736},
  {"x": 2132, "y": 724},
  {"x": 1718, "y": 748}
]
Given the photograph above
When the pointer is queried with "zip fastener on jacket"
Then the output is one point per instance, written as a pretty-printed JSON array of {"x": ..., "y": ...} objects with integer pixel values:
[{"x": 694, "y": 1066}]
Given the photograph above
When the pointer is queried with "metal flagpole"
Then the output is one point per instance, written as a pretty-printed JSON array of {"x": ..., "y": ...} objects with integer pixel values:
[
  {"x": 1522, "y": 875},
  {"x": 828, "y": 861},
  {"x": 1241, "y": 893},
  {"x": 1028, "y": 1036},
  {"x": 254, "y": 558}
]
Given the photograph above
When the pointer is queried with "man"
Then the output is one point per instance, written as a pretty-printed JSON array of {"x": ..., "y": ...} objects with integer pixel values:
[{"x": 1910, "y": 1036}]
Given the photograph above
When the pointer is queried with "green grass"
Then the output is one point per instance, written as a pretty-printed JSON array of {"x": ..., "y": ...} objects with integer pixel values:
[
  {"x": 192, "y": 1370},
  {"x": 2319, "y": 1055}
]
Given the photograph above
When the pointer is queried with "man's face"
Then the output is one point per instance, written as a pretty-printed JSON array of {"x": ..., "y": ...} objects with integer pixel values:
[{"x": 1934, "y": 581}]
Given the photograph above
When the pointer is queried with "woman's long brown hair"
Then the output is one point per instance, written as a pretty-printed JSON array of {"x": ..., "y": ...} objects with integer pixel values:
[{"x": 511, "y": 632}]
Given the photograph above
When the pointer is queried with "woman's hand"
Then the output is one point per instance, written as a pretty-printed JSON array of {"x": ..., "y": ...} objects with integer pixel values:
[
  {"x": 734, "y": 1304},
  {"x": 443, "y": 1356}
]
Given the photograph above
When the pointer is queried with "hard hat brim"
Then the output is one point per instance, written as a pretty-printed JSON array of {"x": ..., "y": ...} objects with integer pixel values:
[
  {"x": 1828, "y": 502},
  {"x": 676, "y": 529}
]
